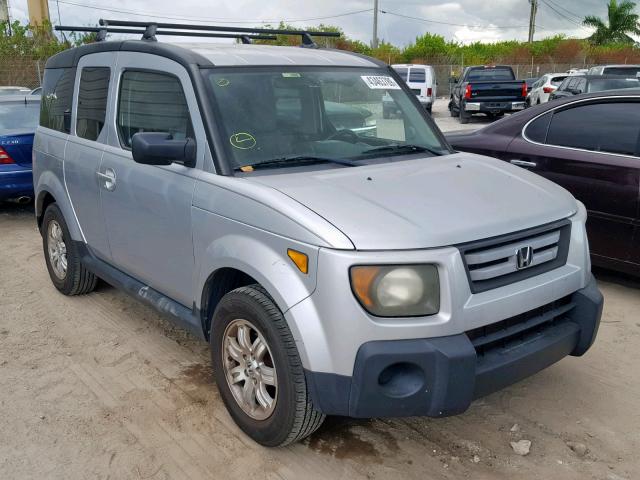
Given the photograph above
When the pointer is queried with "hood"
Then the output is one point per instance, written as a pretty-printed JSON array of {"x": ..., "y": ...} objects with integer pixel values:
[{"x": 427, "y": 202}]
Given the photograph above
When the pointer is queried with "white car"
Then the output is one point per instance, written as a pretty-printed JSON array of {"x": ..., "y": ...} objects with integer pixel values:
[
  {"x": 621, "y": 70},
  {"x": 421, "y": 80},
  {"x": 544, "y": 87}
]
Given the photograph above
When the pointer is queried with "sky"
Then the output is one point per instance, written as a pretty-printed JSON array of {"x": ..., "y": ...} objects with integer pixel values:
[{"x": 464, "y": 21}]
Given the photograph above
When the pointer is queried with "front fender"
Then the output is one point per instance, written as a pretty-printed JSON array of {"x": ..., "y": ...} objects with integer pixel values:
[{"x": 220, "y": 242}]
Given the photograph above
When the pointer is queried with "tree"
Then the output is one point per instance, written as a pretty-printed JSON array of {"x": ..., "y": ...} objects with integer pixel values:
[{"x": 622, "y": 21}]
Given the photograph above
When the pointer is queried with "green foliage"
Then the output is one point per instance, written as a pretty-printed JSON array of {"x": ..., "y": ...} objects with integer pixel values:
[
  {"x": 620, "y": 24},
  {"x": 36, "y": 42}
]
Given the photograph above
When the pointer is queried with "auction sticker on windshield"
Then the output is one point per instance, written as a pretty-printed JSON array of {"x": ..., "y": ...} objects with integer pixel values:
[{"x": 380, "y": 82}]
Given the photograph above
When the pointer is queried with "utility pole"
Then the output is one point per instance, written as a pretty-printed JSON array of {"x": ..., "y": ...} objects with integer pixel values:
[
  {"x": 532, "y": 19},
  {"x": 4, "y": 11},
  {"x": 374, "y": 42},
  {"x": 38, "y": 12}
]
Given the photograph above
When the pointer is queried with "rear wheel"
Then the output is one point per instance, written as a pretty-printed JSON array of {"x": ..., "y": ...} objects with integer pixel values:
[
  {"x": 63, "y": 260},
  {"x": 258, "y": 369}
]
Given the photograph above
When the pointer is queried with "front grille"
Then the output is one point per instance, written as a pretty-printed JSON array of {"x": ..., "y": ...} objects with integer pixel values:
[
  {"x": 494, "y": 263},
  {"x": 516, "y": 330}
]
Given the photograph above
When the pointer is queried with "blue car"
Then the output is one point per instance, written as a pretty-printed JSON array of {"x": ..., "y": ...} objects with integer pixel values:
[{"x": 18, "y": 122}]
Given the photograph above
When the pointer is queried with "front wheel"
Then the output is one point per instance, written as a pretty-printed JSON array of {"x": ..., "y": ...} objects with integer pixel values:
[{"x": 258, "y": 369}]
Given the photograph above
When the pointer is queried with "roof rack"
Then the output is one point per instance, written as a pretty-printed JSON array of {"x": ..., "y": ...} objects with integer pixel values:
[
  {"x": 102, "y": 33},
  {"x": 151, "y": 29}
]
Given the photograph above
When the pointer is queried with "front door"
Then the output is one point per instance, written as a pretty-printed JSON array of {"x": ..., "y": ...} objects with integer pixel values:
[
  {"x": 590, "y": 149},
  {"x": 148, "y": 208}
]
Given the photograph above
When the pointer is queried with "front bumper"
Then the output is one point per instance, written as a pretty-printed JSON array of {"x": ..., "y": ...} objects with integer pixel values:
[{"x": 440, "y": 377}]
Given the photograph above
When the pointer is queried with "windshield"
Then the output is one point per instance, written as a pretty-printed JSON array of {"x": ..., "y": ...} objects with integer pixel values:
[
  {"x": 600, "y": 85},
  {"x": 626, "y": 71},
  {"x": 274, "y": 114},
  {"x": 19, "y": 116}
]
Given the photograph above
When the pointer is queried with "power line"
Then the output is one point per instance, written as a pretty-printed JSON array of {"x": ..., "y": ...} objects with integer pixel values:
[
  {"x": 395, "y": 14},
  {"x": 577, "y": 17},
  {"x": 562, "y": 15},
  {"x": 200, "y": 19}
]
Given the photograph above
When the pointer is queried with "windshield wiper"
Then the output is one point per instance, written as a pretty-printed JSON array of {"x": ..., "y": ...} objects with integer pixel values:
[
  {"x": 402, "y": 149},
  {"x": 299, "y": 160}
]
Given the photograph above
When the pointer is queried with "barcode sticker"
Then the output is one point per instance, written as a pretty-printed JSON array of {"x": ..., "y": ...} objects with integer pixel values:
[{"x": 379, "y": 82}]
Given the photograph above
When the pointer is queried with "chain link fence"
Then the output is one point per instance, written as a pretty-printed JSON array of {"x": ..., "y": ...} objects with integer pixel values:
[
  {"x": 28, "y": 72},
  {"x": 21, "y": 72},
  {"x": 523, "y": 71}
]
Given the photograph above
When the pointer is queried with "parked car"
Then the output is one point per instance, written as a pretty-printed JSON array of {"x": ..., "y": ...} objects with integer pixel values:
[
  {"x": 543, "y": 88},
  {"x": 591, "y": 84},
  {"x": 422, "y": 81},
  {"x": 589, "y": 145},
  {"x": 577, "y": 71},
  {"x": 36, "y": 91},
  {"x": 331, "y": 272},
  {"x": 492, "y": 90},
  {"x": 620, "y": 70},
  {"x": 23, "y": 91},
  {"x": 18, "y": 122}
]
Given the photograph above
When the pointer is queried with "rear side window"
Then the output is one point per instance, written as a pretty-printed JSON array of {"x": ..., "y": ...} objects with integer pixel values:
[
  {"x": 599, "y": 127},
  {"x": 624, "y": 71},
  {"x": 537, "y": 130},
  {"x": 557, "y": 81},
  {"x": 417, "y": 75},
  {"x": 152, "y": 102},
  {"x": 57, "y": 94},
  {"x": 92, "y": 101}
]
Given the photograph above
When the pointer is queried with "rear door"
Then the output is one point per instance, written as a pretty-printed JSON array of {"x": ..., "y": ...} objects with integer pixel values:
[
  {"x": 590, "y": 148},
  {"x": 147, "y": 208},
  {"x": 85, "y": 147},
  {"x": 417, "y": 81}
]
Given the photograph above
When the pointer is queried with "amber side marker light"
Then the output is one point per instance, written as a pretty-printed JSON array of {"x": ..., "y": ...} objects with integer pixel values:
[{"x": 300, "y": 259}]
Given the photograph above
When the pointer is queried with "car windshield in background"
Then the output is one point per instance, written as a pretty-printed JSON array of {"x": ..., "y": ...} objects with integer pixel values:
[
  {"x": 490, "y": 75},
  {"x": 600, "y": 85},
  {"x": 280, "y": 117},
  {"x": 624, "y": 71},
  {"x": 19, "y": 116}
]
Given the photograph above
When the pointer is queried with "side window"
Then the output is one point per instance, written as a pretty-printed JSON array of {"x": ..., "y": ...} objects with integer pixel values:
[
  {"x": 57, "y": 95},
  {"x": 92, "y": 101},
  {"x": 152, "y": 102},
  {"x": 582, "y": 85},
  {"x": 537, "y": 130},
  {"x": 599, "y": 127},
  {"x": 417, "y": 75}
]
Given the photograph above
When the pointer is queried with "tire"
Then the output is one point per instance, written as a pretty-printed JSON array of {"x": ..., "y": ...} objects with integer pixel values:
[
  {"x": 464, "y": 118},
  {"x": 292, "y": 415},
  {"x": 59, "y": 250}
]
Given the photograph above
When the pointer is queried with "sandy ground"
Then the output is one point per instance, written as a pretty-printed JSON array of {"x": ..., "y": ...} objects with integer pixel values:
[{"x": 101, "y": 387}]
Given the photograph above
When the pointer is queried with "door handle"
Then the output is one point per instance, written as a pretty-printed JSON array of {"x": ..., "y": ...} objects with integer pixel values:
[
  {"x": 108, "y": 179},
  {"x": 523, "y": 163}
]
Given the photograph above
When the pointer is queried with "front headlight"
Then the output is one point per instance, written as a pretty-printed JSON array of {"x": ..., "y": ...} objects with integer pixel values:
[{"x": 397, "y": 290}]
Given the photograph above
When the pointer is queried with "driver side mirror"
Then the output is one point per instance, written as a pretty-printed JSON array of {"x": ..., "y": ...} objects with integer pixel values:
[{"x": 159, "y": 148}]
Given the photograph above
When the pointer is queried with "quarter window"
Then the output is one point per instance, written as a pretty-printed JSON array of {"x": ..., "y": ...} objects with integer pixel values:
[
  {"x": 599, "y": 127},
  {"x": 152, "y": 102},
  {"x": 92, "y": 102},
  {"x": 537, "y": 130},
  {"x": 57, "y": 94}
]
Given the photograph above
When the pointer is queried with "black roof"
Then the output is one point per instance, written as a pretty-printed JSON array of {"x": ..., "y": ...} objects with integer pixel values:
[{"x": 70, "y": 58}]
